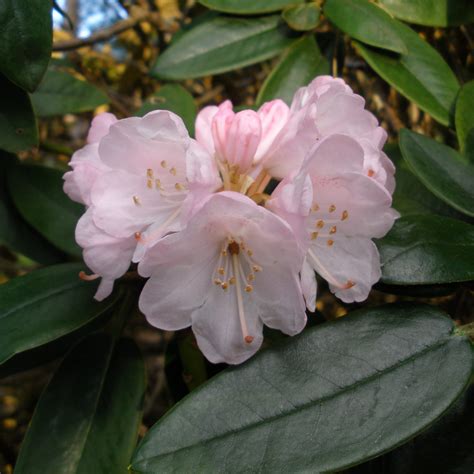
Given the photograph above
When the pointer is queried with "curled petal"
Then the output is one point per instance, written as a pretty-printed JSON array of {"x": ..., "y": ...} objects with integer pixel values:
[{"x": 100, "y": 127}]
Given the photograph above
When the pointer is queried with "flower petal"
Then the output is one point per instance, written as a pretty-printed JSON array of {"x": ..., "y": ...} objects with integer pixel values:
[{"x": 100, "y": 127}]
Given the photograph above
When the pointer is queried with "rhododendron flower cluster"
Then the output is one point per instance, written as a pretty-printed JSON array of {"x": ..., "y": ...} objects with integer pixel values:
[{"x": 221, "y": 254}]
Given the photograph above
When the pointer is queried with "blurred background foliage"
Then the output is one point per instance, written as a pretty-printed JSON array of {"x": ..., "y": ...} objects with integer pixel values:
[{"x": 108, "y": 56}]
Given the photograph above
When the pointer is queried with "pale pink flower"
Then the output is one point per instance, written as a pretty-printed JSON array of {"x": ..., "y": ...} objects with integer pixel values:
[
  {"x": 231, "y": 270},
  {"x": 149, "y": 176},
  {"x": 85, "y": 163},
  {"x": 336, "y": 210},
  {"x": 329, "y": 106}
]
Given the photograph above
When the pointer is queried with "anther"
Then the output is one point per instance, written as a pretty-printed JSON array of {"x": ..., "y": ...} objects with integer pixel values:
[
  {"x": 163, "y": 164},
  {"x": 225, "y": 285},
  {"x": 349, "y": 284},
  {"x": 224, "y": 253},
  {"x": 330, "y": 242},
  {"x": 315, "y": 208},
  {"x": 158, "y": 184},
  {"x": 85, "y": 277},
  {"x": 173, "y": 171},
  {"x": 314, "y": 235},
  {"x": 249, "y": 253},
  {"x": 149, "y": 173},
  {"x": 320, "y": 224},
  {"x": 136, "y": 200},
  {"x": 178, "y": 187},
  {"x": 217, "y": 282},
  {"x": 221, "y": 270},
  {"x": 248, "y": 288},
  {"x": 232, "y": 280},
  {"x": 251, "y": 277},
  {"x": 344, "y": 216},
  {"x": 149, "y": 184},
  {"x": 233, "y": 248},
  {"x": 333, "y": 230},
  {"x": 332, "y": 208},
  {"x": 248, "y": 339},
  {"x": 256, "y": 268},
  {"x": 370, "y": 173},
  {"x": 138, "y": 235}
]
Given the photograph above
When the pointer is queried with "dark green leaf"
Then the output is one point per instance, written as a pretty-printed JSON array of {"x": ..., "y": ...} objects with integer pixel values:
[
  {"x": 87, "y": 418},
  {"x": 432, "y": 12},
  {"x": 38, "y": 194},
  {"x": 45, "y": 305},
  {"x": 441, "y": 169},
  {"x": 465, "y": 114},
  {"x": 175, "y": 98},
  {"x": 302, "y": 17},
  {"x": 422, "y": 75},
  {"x": 244, "y": 7},
  {"x": 221, "y": 44},
  {"x": 15, "y": 232},
  {"x": 25, "y": 40},
  {"x": 61, "y": 93},
  {"x": 427, "y": 249},
  {"x": 18, "y": 129},
  {"x": 336, "y": 395},
  {"x": 299, "y": 65},
  {"x": 366, "y": 22}
]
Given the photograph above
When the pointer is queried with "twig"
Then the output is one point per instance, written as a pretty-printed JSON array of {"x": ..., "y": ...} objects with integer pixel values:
[{"x": 106, "y": 33}]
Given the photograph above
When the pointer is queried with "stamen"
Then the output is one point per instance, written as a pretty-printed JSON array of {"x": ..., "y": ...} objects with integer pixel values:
[
  {"x": 136, "y": 200},
  {"x": 315, "y": 207},
  {"x": 332, "y": 208},
  {"x": 256, "y": 268},
  {"x": 164, "y": 164},
  {"x": 149, "y": 184},
  {"x": 320, "y": 224},
  {"x": 225, "y": 285},
  {"x": 324, "y": 272},
  {"x": 179, "y": 187},
  {"x": 370, "y": 173},
  {"x": 232, "y": 280},
  {"x": 173, "y": 171},
  {"x": 330, "y": 242},
  {"x": 138, "y": 235},
  {"x": 149, "y": 173},
  {"x": 250, "y": 277},
  {"x": 218, "y": 282},
  {"x": 248, "y": 339},
  {"x": 238, "y": 291},
  {"x": 221, "y": 270},
  {"x": 333, "y": 230},
  {"x": 249, "y": 253},
  {"x": 158, "y": 184},
  {"x": 314, "y": 235},
  {"x": 248, "y": 288},
  {"x": 85, "y": 277},
  {"x": 234, "y": 248},
  {"x": 344, "y": 216}
]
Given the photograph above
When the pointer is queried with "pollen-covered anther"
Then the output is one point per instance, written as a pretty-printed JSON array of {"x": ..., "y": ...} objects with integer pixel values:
[
  {"x": 249, "y": 253},
  {"x": 332, "y": 208},
  {"x": 218, "y": 282},
  {"x": 344, "y": 215},
  {"x": 314, "y": 235},
  {"x": 248, "y": 339},
  {"x": 315, "y": 208},
  {"x": 330, "y": 242},
  {"x": 234, "y": 248},
  {"x": 224, "y": 285},
  {"x": 179, "y": 187},
  {"x": 158, "y": 184},
  {"x": 138, "y": 236},
  {"x": 221, "y": 270},
  {"x": 232, "y": 280},
  {"x": 136, "y": 200},
  {"x": 370, "y": 173},
  {"x": 173, "y": 171},
  {"x": 149, "y": 173},
  {"x": 333, "y": 230},
  {"x": 319, "y": 224},
  {"x": 256, "y": 268},
  {"x": 251, "y": 277},
  {"x": 85, "y": 277},
  {"x": 249, "y": 288},
  {"x": 349, "y": 284},
  {"x": 164, "y": 164},
  {"x": 149, "y": 183}
]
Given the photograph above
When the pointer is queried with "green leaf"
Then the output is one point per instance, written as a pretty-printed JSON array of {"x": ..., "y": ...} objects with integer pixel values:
[
  {"x": 25, "y": 40},
  {"x": 464, "y": 116},
  {"x": 15, "y": 232},
  {"x": 248, "y": 7},
  {"x": 336, "y": 395},
  {"x": 18, "y": 129},
  {"x": 61, "y": 93},
  {"x": 45, "y": 305},
  {"x": 441, "y": 169},
  {"x": 421, "y": 75},
  {"x": 426, "y": 250},
  {"x": 431, "y": 12},
  {"x": 299, "y": 65},
  {"x": 175, "y": 98},
  {"x": 38, "y": 194},
  {"x": 302, "y": 17},
  {"x": 221, "y": 44},
  {"x": 366, "y": 22},
  {"x": 87, "y": 418}
]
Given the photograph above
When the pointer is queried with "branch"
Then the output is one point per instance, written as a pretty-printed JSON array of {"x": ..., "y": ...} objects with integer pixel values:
[{"x": 106, "y": 33}]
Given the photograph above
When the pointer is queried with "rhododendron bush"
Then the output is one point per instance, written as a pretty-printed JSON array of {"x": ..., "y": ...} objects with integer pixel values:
[{"x": 223, "y": 233}]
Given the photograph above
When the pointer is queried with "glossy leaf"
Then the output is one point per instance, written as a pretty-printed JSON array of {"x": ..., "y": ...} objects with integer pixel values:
[
  {"x": 25, "y": 40},
  {"x": 18, "y": 129},
  {"x": 87, "y": 419},
  {"x": 465, "y": 114},
  {"x": 15, "y": 232},
  {"x": 244, "y": 7},
  {"x": 303, "y": 17},
  {"x": 441, "y": 169},
  {"x": 220, "y": 44},
  {"x": 431, "y": 12},
  {"x": 366, "y": 22},
  {"x": 45, "y": 305},
  {"x": 301, "y": 63},
  {"x": 38, "y": 194},
  {"x": 61, "y": 93},
  {"x": 421, "y": 75},
  {"x": 338, "y": 394},
  {"x": 427, "y": 249},
  {"x": 175, "y": 98}
]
